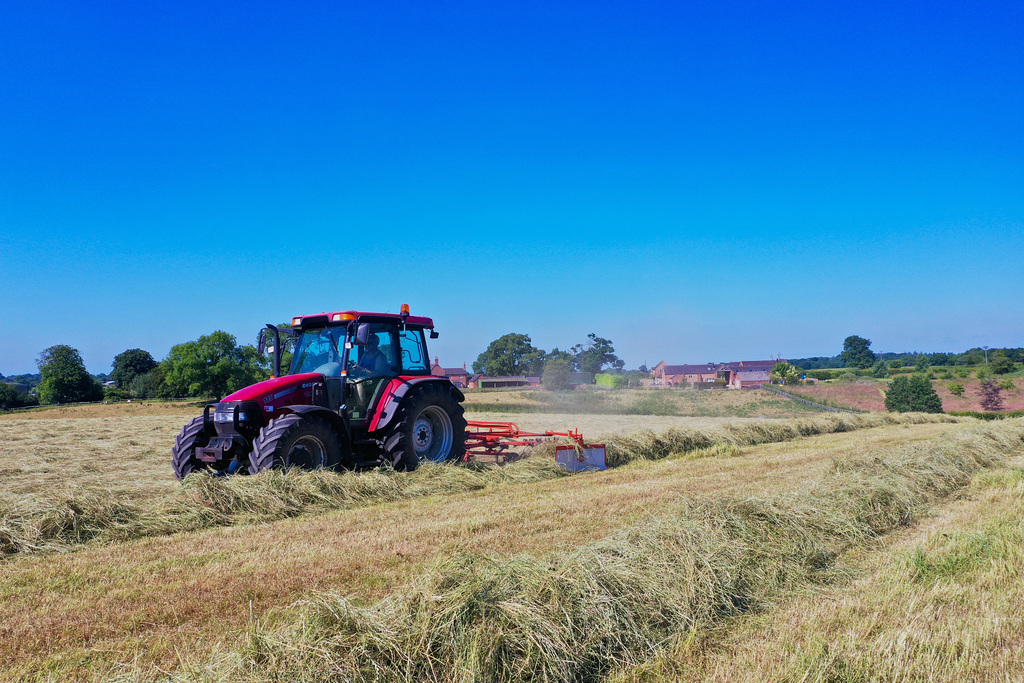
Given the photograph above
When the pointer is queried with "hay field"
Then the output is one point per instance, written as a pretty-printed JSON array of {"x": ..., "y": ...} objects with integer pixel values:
[
  {"x": 210, "y": 580},
  {"x": 662, "y": 402}
]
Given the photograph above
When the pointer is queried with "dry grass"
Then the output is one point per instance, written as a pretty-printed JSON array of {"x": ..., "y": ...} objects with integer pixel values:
[
  {"x": 648, "y": 402},
  {"x": 74, "y": 616},
  {"x": 940, "y": 601},
  {"x": 93, "y": 501},
  {"x": 577, "y": 615}
]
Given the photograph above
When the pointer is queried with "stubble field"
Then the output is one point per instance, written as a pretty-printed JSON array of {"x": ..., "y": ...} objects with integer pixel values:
[{"x": 828, "y": 529}]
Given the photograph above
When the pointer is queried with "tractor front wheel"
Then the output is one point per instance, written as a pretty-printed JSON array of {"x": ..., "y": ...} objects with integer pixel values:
[
  {"x": 429, "y": 426},
  {"x": 306, "y": 442},
  {"x": 183, "y": 453}
]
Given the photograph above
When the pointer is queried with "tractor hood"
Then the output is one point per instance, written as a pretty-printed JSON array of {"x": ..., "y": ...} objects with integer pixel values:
[{"x": 290, "y": 389}]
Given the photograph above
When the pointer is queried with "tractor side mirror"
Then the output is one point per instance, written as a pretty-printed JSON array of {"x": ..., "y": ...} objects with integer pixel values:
[
  {"x": 269, "y": 341},
  {"x": 362, "y": 334},
  {"x": 264, "y": 345},
  {"x": 434, "y": 335}
]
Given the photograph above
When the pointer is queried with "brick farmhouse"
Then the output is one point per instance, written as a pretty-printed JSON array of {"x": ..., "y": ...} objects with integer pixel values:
[{"x": 738, "y": 375}]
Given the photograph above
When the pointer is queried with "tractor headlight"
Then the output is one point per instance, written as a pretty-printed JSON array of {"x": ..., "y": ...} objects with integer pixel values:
[{"x": 225, "y": 416}]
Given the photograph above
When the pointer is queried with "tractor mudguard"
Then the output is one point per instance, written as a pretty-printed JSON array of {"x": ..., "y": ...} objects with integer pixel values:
[
  {"x": 394, "y": 393},
  {"x": 332, "y": 418}
]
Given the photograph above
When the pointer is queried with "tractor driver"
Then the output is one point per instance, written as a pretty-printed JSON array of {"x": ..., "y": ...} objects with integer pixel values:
[{"x": 371, "y": 362}]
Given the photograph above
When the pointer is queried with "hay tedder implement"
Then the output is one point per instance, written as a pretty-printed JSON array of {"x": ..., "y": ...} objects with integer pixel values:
[
  {"x": 357, "y": 392},
  {"x": 501, "y": 440}
]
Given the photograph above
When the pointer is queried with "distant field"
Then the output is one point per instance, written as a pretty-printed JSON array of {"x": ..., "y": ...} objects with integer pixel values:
[
  {"x": 653, "y": 402},
  {"x": 868, "y": 394},
  {"x": 130, "y": 575}
]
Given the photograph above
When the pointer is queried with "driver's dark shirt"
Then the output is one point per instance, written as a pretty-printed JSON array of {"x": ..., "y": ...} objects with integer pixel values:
[{"x": 374, "y": 362}]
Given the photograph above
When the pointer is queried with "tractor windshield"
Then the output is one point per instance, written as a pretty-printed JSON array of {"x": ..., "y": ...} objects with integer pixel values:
[{"x": 319, "y": 350}]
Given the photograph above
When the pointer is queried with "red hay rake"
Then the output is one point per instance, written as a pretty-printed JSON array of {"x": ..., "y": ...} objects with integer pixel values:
[{"x": 497, "y": 439}]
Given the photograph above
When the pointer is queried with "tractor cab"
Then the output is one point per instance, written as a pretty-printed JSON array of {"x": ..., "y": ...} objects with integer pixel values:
[{"x": 357, "y": 353}]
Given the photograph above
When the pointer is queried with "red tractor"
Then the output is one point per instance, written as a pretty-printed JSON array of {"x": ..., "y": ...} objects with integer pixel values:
[{"x": 358, "y": 392}]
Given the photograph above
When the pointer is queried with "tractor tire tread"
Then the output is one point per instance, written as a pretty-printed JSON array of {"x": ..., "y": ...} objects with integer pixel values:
[
  {"x": 265, "y": 453},
  {"x": 183, "y": 453}
]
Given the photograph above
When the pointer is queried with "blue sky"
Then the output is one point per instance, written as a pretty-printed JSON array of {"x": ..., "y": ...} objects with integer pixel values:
[{"x": 694, "y": 182}]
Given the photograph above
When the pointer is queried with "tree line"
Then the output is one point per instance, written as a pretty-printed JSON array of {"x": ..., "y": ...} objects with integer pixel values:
[
  {"x": 857, "y": 354},
  {"x": 212, "y": 366},
  {"x": 514, "y": 355}
]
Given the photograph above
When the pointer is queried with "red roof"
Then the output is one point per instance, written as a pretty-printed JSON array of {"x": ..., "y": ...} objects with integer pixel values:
[{"x": 704, "y": 369}]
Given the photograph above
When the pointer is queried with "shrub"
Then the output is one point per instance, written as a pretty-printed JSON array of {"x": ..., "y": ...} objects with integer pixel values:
[
  {"x": 912, "y": 394},
  {"x": 1008, "y": 384},
  {"x": 1001, "y": 364},
  {"x": 824, "y": 375},
  {"x": 556, "y": 374},
  {"x": 956, "y": 388},
  {"x": 990, "y": 396},
  {"x": 112, "y": 394}
]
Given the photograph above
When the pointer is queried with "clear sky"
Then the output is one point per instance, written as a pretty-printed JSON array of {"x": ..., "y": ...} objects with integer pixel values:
[{"x": 696, "y": 182}]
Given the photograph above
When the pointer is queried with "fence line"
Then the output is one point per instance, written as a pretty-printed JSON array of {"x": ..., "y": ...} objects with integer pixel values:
[{"x": 785, "y": 394}]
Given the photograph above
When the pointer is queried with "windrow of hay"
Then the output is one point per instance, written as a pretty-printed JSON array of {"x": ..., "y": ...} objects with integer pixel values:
[
  {"x": 577, "y": 615},
  {"x": 58, "y": 523},
  {"x": 647, "y": 445}
]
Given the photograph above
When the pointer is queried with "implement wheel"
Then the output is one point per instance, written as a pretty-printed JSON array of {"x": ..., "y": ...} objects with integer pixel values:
[
  {"x": 429, "y": 426},
  {"x": 304, "y": 441},
  {"x": 183, "y": 453}
]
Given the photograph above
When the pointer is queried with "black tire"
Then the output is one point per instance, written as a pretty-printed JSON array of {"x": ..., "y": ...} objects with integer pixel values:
[
  {"x": 304, "y": 441},
  {"x": 430, "y": 425},
  {"x": 183, "y": 454}
]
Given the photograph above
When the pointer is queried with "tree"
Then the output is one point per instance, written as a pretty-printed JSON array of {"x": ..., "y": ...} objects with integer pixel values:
[
  {"x": 596, "y": 353},
  {"x": 956, "y": 388},
  {"x": 510, "y": 355},
  {"x": 130, "y": 364},
  {"x": 991, "y": 396},
  {"x": 213, "y": 365},
  {"x": 10, "y": 398},
  {"x": 880, "y": 370},
  {"x": 64, "y": 378},
  {"x": 921, "y": 363},
  {"x": 784, "y": 373},
  {"x": 856, "y": 353},
  {"x": 912, "y": 394},
  {"x": 148, "y": 385},
  {"x": 1001, "y": 363},
  {"x": 556, "y": 374}
]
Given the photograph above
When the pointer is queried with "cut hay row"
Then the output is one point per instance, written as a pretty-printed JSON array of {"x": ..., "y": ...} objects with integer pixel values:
[
  {"x": 578, "y": 615},
  {"x": 59, "y": 522},
  {"x": 646, "y": 445}
]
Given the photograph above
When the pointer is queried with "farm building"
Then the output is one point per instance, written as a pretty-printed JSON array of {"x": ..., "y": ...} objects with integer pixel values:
[
  {"x": 737, "y": 375},
  {"x": 484, "y": 382},
  {"x": 747, "y": 373},
  {"x": 458, "y": 376},
  {"x": 672, "y": 375}
]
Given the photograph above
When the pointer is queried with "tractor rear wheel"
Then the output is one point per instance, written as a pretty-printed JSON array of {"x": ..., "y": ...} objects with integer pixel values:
[
  {"x": 429, "y": 426},
  {"x": 306, "y": 442},
  {"x": 183, "y": 453}
]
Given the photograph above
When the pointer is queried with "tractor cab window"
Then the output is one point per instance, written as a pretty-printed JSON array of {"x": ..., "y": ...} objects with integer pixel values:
[
  {"x": 414, "y": 357},
  {"x": 370, "y": 367},
  {"x": 317, "y": 350},
  {"x": 377, "y": 357}
]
